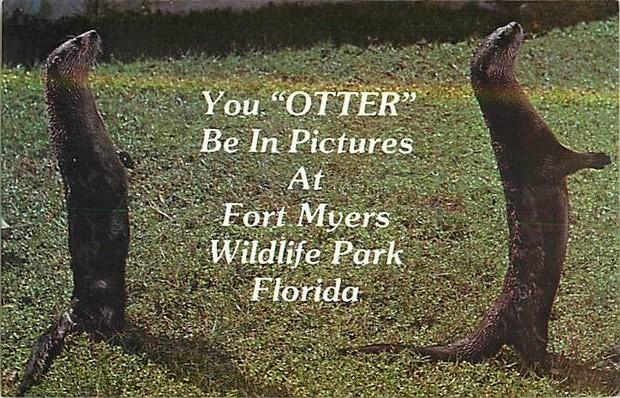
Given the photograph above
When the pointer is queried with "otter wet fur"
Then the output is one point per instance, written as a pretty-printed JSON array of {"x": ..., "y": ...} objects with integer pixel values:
[
  {"x": 95, "y": 186},
  {"x": 532, "y": 166}
]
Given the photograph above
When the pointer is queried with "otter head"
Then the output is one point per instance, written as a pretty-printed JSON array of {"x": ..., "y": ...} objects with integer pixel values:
[
  {"x": 71, "y": 61},
  {"x": 494, "y": 59}
]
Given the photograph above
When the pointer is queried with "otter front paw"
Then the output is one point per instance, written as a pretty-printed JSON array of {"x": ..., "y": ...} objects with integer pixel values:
[{"x": 598, "y": 160}]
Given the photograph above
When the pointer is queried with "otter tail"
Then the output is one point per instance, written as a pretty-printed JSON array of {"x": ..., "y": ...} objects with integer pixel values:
[
  {"x": 47, "y": 347},
  {"x": 483, "y": 343},
  {"x": 474, "y": 348}
]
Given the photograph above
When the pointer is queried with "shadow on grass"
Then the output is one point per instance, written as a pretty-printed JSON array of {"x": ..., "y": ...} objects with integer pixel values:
[
  {"x": 12, "y": 260},
  {"x": 602, "y": 376},
  {"x": 580, "y": 375},
  {"x": 197, "y": 361}
]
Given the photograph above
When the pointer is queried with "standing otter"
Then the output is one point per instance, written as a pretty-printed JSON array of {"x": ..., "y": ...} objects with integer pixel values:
[
  {"x": 95, "y": 185},
  {"x": 533, "y": 166}
]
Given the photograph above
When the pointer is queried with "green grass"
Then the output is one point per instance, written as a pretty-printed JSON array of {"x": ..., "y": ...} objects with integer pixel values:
[{"x": 200, "y": 333}]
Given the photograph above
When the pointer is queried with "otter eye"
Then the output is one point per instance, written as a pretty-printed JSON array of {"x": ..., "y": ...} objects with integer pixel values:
[{"x": 57, "y": 59}]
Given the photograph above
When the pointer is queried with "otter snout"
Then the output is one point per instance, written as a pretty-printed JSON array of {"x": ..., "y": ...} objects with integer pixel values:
[
  {"x": 494, "y": 58},
  {"x": 509, "y": 31},
  {"x": 512, "y": 26},
  {"x": 87, "y": 37}
]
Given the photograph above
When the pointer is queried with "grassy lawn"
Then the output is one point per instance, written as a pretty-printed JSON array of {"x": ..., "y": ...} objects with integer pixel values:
[{"x": 197, "y": 331}]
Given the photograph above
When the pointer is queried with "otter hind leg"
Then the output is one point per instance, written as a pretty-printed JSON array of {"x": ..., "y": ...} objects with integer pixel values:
[
  {"x": 99, "y": 306},
  {"x": 530, "y": 333}
]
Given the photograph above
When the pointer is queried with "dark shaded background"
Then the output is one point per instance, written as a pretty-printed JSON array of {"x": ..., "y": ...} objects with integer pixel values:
[{"x": 127, "y": 36}]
